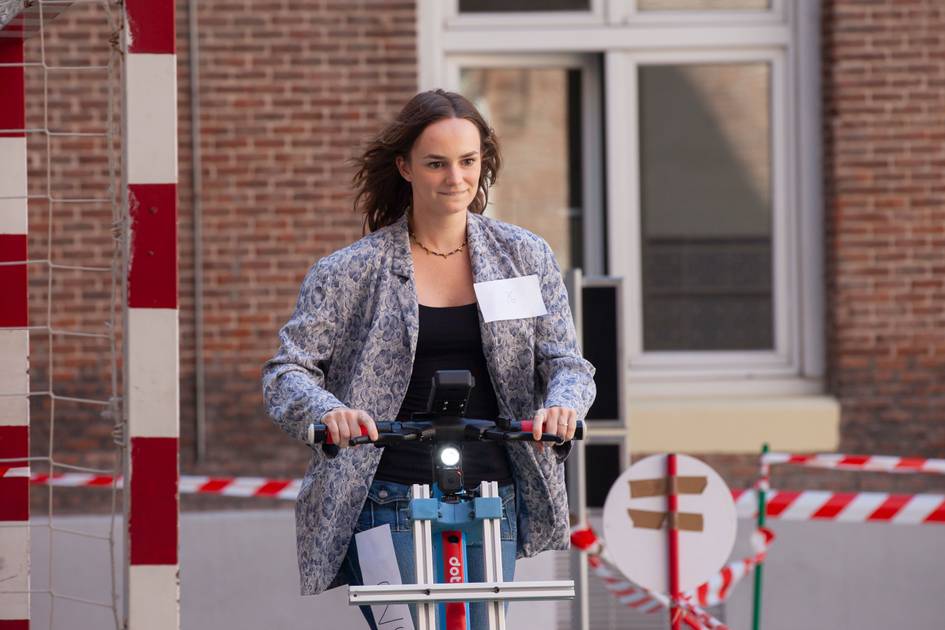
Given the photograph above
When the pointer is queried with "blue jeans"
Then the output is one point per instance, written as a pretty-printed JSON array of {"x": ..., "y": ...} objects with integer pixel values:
[{"x": 387, "y": 504}]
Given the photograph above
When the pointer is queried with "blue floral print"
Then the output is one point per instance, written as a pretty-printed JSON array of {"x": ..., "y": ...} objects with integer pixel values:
[{"x": 351, "y": 343}]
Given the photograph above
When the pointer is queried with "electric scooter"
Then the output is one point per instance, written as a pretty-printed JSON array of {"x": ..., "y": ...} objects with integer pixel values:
[{"x": 443, "y": 523}]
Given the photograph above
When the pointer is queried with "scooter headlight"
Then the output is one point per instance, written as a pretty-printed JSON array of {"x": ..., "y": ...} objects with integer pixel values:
[{"x": 449, "y": 456}]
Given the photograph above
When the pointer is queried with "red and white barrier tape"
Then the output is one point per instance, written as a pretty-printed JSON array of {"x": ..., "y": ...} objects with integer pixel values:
[
  {"x": 810, "y": 505},
  {"x": 286, "y": 489},
  {"x": 845, "y": 507},
  {"x": 647, "y": 601},
  {"x": 625, "y": 591},
  {"x": 242, "y": 487},
  {"x": 880, "y": 463},
  {"x": 637, "y": 597},
  {"x": 717, "y": 589}
]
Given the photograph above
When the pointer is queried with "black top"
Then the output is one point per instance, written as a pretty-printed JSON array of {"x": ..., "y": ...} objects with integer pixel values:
[{"x": 448, "y": 339}]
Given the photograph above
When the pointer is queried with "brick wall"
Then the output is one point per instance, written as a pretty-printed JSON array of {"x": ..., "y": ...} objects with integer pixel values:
[
  {"x": 884, "y": 132},
  {"x": 288, "y": 90},
  {"x": 884, "y": 183}
]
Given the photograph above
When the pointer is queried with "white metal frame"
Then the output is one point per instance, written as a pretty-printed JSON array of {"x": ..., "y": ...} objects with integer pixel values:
[
  {"x": 592, "y": 38},
  {"x": 787, "y": 37},
  {"x": 804, "y": 74},
  {"x": 611, "y": 12},
  {"x": 455, "y": 19},
  {"x": 621, "y": 11},
  {"x": 441, "y": 32},
  {"x": 607, "y": 431},
  {"x": 427, "y": 592},
  {"x": 591, "y": 138}
]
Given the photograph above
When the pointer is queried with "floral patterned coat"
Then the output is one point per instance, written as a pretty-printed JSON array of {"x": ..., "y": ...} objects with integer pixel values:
[{"x": 351, "y": 342}]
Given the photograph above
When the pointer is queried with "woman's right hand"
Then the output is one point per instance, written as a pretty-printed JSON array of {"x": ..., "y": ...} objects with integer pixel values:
[{"x": 343, "y": 424}]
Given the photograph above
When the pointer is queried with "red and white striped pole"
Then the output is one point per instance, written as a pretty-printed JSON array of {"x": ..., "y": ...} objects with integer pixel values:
[
  {"x": 14, "y": 339},
  {"x": 151, "y": 354},
  {"x": 672, "y": 534}
]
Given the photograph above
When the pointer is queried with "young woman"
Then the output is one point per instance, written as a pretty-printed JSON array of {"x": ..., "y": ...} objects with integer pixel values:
[{"x": 376, "y": 319}]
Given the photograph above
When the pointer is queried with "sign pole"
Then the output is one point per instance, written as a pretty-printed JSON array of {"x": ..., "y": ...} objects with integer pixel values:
[
  {"x": 673, "y": 531},
  {"x": 762, "y": 509},
  {"x": 682, "y": 528}
]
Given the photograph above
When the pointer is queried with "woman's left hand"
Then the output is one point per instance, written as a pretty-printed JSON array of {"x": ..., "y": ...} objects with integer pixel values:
[{"x": 559, "y": 420}]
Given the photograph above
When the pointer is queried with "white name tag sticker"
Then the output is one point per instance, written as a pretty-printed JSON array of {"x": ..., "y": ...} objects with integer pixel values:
[
  {"x": 513, "y": 298},
  {"x": 379, "y": 566}
]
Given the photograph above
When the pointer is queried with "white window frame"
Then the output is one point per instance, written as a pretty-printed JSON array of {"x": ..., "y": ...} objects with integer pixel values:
[
  {"x": 625, "y": 239},
  {"x": 628, "y": 11},
  {"x": 455, "y": 19},
  {"x": 592, "y": 149},
  {"x": 787, "y": 36},
  {"x": 601, "y": 12}
]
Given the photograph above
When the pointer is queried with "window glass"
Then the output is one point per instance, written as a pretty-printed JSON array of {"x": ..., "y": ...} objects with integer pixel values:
[
  {"x": 703, "y": 5},
  {"x": 504, "y": 6},
  {"x": 706, "y": 206},
  {"x": 536, "y": 115},
  {"x": 599, "y": 343},
  {"x": 602, "y": 469}
]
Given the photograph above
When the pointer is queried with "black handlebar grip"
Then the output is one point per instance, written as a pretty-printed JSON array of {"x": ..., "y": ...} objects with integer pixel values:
[{"x": 528, "y": 425}]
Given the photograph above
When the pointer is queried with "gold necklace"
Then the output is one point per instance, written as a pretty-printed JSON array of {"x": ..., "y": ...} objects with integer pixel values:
[{"x": 434, "y": 252}]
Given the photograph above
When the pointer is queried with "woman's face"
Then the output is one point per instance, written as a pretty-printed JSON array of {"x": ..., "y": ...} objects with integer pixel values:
[{"x": 444, "y": 167}]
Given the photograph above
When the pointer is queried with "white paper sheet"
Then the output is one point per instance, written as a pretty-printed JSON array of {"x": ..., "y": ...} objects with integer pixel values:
[
  {"x": 379, "y": 566},
  {"x": 512, "y": 298}
]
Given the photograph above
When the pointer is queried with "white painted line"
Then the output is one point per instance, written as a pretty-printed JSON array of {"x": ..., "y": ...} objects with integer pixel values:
[
  {"x": 153, "y": 365},
  {"x": 14, "y": 570},
  {"x": 917, "y": 509},
  {"x": 154, "y": 591},
  {"x": 14, "y": 377},
  {"x": 861, "y": 507},
  {"x": 13, "y": 184},
  {"x": 805, "y": 505},
  {"x": 152, "y": 118}
]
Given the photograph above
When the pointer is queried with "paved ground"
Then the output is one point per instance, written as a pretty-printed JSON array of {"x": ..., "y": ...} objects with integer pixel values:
[{"x": 238, "y": 572}]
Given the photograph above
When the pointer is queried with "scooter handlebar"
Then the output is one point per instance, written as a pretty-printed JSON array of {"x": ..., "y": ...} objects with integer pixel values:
[{"x": 393, "y": 431}]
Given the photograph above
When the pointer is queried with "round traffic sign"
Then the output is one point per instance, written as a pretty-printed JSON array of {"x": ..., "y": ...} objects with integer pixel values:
[{"x": 635, "y": 522}]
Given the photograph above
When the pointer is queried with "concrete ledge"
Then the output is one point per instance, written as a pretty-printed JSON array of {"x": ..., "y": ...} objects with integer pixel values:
[{"x": 737, "y": 425}]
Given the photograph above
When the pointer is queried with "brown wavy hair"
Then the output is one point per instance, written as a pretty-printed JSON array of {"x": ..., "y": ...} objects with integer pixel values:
[{"x": 382, "y": 194}]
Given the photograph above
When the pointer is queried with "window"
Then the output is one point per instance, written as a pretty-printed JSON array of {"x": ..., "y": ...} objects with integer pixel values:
[
  {"x": 705, "y": 206},
  {"x": 604, "y": 465},
  {"x": 694, "y": 191},
  {"x": 537, "y": 107}
]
